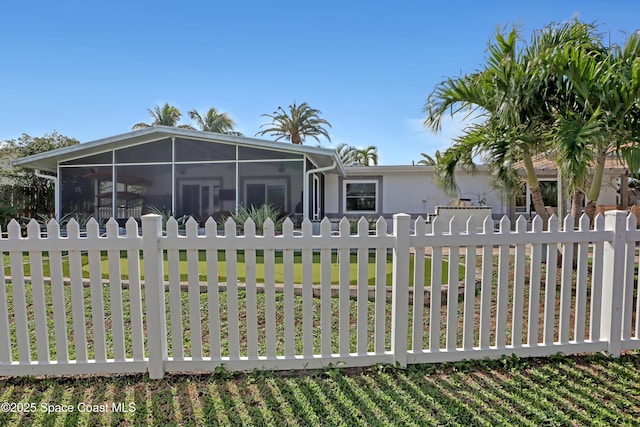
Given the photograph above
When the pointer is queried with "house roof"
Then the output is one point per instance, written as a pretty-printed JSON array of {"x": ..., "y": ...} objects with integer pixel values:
[
  {"x": 546, "y": 166},
  {"x": 48, "y": 161}
]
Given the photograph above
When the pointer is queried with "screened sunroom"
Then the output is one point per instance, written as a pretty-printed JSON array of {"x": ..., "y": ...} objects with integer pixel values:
[{"x": 185, "y": 173}]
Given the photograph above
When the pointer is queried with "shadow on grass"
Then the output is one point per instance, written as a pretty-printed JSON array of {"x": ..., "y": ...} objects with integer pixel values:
[{"x": 553, "y": 391}]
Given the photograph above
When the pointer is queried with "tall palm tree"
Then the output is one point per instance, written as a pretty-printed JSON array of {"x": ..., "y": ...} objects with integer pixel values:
[
  {"x": 213, "y": 121},
  {"x": 346, "y": 154},
  {"x": 300, "y": 122},
  {"x": 167, "y": 115},
  {"x": 366, "y": 156}
]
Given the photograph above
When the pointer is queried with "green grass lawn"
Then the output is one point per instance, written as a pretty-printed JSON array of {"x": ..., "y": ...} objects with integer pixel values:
[{"x": 297, "y": 268}]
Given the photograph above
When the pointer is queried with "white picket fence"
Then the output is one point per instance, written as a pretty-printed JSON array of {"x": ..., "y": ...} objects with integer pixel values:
[{"x": 78, "y": 312}]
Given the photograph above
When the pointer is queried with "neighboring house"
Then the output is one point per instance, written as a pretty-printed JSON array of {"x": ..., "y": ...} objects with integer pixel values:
[{"x": 203, "y": 174}]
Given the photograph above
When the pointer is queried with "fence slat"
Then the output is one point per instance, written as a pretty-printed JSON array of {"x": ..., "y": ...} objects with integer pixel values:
[
  {"x": 19, "y": 296},
  {"x": 270, "y": 292},
  {"x": 503, "y": 287},
  {"x": 344, "y": 315},
  {"x": 417, "y": 328},
  {"x": 135, "y": 293},
  {"x": 564, "y": 327},
  {"x": 251, "y": 298},
  {"x": 193, "y": 285},
  {"x": 175, "y": 294},
  {"x": 486, "y": 287},
  {"x": 596, "y": 283},
  {"x": 452, "y": 288},
  {"x": 580, "y": 306},
  {"x": 233, "y": 319},
  {"x": 630, "y": 249},
  {"x": 307, "y": 293},
  {"x": 534, "y": 286},
  {"x": 325, "y": 291},
  {"x": 77, "y": 295},
  {"x": 213, "y": 293},
  {"x": 363, "y": 287},
  {"x": 289, "y": 300},
  {"x": 380, "y": 317},
  {"x": 469, "y": 289},
  {"x": 518, "y": 287},
  {"x": 37, "y": 292},
  {"x": 550, "y": 286},
  {"x": 5, "y": 336},
  {"x": 436, "y": 288},
  {"x": 95, "y": 287},
  {"x": 115, "y": 294}
]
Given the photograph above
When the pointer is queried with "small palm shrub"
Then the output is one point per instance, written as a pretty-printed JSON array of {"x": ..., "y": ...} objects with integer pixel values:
[{"x": 258, "y": 214}]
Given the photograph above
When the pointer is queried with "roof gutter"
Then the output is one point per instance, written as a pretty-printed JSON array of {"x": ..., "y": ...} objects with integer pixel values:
[{"x": 305, "y": 205}]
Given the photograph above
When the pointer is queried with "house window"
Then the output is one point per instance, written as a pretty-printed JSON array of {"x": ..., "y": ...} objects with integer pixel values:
[{"x": 360, "y": 196}]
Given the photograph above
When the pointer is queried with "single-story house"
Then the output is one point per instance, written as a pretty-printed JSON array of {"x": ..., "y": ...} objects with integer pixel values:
[{"x": 203, "y": 174}]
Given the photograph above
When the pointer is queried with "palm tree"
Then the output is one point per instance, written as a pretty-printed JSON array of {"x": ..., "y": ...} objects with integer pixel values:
[
  {"x": 597, "y": 114},
  {"x": 300, "y": 122},
  {"x": 346, "y": 154},
  {"x": 512, "y": 97},
  {"x": 427, "y": 160},
  {"x": 167, "y": 115},
  {"x": 504, "y": 96},
  {"x": 366, "y": 156},
  {"x": 213, "y": 121}
]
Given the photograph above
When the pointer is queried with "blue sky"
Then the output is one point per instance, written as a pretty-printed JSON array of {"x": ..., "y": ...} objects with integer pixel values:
[{"x": 92, "y": 69}]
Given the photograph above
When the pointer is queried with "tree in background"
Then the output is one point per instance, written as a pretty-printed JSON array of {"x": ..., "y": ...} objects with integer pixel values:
[
  {"x": 367, "y": 156},
  {"x": 167, "y": 115},
  {"x": 213, "y": 121},
  {"x": 22, "y": 192},
  {"x": 300, "y": 122}
]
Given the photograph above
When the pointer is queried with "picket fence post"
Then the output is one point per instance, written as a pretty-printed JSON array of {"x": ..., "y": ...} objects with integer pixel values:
[
  {"x": 154, "y": 290},
  {"x": 400, "y": 290},
  {"x": 613, "y": 277}
]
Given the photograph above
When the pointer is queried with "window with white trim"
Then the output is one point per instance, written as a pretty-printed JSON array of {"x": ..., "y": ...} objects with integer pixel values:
[{"x": 361, "y": 196}]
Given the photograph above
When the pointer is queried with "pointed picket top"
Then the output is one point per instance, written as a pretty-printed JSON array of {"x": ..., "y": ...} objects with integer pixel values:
[
  {"x": 420, "y": 226},
  {"x": 381, "y": 226},
  {"x": 363, "y": 227},
  {"x": 584, "y": 222},
  {"x": 632, "y": 214},
  {"x": 439, "y": 225},
  {"x": 93, "y": 228},
  {"x": 192, "y": 227},
  {"x": 553, "y": 223},
  {"x": 268, "y": 228},
  {"x": 536, "y": 224},
  {"x": 505, "y": 225},
  {"x": 172, "y": 227},
  {"x": 33, "y": 229},
  {"x": 112, "y": 228},
  {"x": 472, "y": 227},
  {"x": 131, "y": 227},
  {"x": 344, "y": 227},
  {"x": 521, "y": 224},
  {"x": 569, "y": 222},
  {"x": 487, "y": 225},
  {"x": 598, "y": 222},
  {"x": 249, "y": 228},
  {"x": 211, "y": 227},
  {"x": 454, "y": 225},
  {"x": 307, "y": 227},
  {"x": 229, "y": 227},
  {"x": 73, "y": 229},
  {"x": 287, "y": 227},
  {"x": 53, "y": 229},
  {"x": 632, "y": 222},
  {"x": 325, "y": 227},
  {"x": 14, "y": 229}
]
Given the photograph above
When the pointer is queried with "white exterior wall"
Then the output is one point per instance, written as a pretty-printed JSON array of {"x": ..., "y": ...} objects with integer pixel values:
[{"x": 411, "y": 189}]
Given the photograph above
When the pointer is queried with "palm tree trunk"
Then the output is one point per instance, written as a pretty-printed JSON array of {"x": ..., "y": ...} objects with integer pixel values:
[
  {"x": 577, "y": 199},
  {"x": 596, "y": 185},
  {"x": 536, "y": 193}
]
